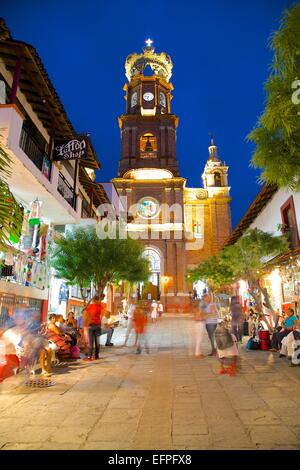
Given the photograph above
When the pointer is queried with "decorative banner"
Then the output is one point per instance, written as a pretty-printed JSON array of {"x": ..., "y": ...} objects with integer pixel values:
[{"x": 70, "y": 149}]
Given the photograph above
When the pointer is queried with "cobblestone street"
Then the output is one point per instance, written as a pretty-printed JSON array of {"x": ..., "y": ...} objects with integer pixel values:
[{"x": 163, "y": 400}]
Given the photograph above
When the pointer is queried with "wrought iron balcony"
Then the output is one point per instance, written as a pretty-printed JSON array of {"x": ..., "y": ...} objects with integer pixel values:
[
  {"x": 65, "y": 189},
  {"x": 36, "y": 154}
]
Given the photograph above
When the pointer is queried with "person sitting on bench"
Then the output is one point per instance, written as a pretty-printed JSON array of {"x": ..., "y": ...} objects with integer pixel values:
[{"x": 107, "y": 328}]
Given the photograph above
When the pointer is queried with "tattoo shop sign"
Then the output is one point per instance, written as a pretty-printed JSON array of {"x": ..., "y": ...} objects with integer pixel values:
[{"x": 71, "y": 149}]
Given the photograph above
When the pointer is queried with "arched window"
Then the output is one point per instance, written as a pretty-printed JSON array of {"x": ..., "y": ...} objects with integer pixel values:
[
  {"x": 148, "y": 146},
  {"x": 154, "y": 260},
  {"x": 218, "y": 180}
]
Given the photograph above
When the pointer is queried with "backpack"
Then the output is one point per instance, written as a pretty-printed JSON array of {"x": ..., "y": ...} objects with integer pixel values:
[
  {"x": 253, "y": 343},
  {"x": 223, "y": 338}
]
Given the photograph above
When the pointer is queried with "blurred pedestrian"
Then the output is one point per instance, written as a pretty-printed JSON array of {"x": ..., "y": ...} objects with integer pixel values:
[
  {"x": 226, "y": 348},
  {"x": 237, "y": 319},
  {"x": 200, "y": 329},
  {"x": 80, "y": 329},
  {"x": 92, "y": 320},
  {"x": 154, "y": 308},
  {"x": 130, "y": 325},
  {"x": 140, "y": 326},
  {"x": 212, "y": 318}
]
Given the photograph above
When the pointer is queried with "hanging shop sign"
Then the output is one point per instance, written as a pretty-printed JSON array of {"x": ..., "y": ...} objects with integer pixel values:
[{"x": 70, "y": 149}]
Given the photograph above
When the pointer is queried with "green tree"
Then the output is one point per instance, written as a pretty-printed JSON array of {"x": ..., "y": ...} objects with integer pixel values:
[
  {"x": 246, "y": 260},
  {"x": 10, "y": 212},
  {"x": 277, "y": 135},
  {"x": 215, "y": 272},
  {"x": 82, "y": 258},
  {"x": 248, "y": 257}
]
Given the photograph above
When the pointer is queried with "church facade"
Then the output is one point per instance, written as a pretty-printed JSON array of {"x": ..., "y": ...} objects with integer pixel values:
[{"x": 179, "y": 226}]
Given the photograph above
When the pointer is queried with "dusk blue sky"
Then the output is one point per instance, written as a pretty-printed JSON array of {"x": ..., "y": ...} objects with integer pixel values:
[{"x": 220, "y": 57}]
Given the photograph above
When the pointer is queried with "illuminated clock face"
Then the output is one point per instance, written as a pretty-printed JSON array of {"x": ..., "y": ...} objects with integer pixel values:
[
  {"x": 162, "y": 99},
  {"x": 148, "y": 207},
  {"x": 148, "y": 96},
  {"x": 134, "y": 99}
]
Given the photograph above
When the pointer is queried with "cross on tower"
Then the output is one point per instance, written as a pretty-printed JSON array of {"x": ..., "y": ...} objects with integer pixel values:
[{"x": 149, "y": 42}]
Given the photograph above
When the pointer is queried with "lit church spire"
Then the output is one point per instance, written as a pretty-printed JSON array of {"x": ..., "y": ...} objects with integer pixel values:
[{"x": 213, "y": 149}]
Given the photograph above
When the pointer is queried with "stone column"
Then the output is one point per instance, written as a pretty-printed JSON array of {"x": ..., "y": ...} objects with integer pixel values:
[
  {"x": 180, "y": 268},
  {"x": 167, "y": 202},
  {"x": 162, "y": 141},
  {"x": 170, "y": 267},
  {"x": 178, "y": 199},
  {"x": 134, "y": 146}
]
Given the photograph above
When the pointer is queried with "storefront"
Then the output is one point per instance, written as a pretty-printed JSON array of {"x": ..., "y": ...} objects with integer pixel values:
[
  {"x": 24, "y": 270},
  {"x": 282, "y": 283},
  {"x": 290, "y": 275}
]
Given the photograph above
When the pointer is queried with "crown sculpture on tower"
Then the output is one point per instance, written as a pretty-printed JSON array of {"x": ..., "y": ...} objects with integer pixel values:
[{"x": 161, "y": 64}]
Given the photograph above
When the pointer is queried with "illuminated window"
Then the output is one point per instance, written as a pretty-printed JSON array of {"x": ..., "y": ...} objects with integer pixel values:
[
  {"x": 154, "y": 259},
  {"x": 148, "y": 207},
  {"x": 217, "y": 177},
  {"x": 148, "y": 146},
  {"x": 289, "y": 220},
  {"x": 134, "y": 99}
]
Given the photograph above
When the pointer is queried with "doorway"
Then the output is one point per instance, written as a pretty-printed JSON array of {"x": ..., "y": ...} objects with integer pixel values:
[
  {"x": 199, "y": 288},
  {"x": 152, "y": 290}
]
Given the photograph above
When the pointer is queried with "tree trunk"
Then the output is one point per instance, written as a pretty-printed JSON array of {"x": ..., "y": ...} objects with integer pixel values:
[
  {"x": 268, "y": 303},
  {"x": 83, "y": 296},
  {"x": 100, "y": 288},
  {"x": 252, "y": 286}
]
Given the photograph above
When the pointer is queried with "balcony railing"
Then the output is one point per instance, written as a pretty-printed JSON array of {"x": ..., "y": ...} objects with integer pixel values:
[
  {"x": 36, "y": 154},
  {"x": 66, "y": 190},
  {"x": 85, "y": 209}
]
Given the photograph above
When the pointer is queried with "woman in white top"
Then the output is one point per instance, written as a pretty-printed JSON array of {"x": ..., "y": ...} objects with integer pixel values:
[
  {"x": 130, "y": 325},
  {"x": 154, "y": 307},
  {"x": 212, "y": 320}
]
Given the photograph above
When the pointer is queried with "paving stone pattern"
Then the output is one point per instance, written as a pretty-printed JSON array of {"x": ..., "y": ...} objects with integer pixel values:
[{"x": 167, "y": 399}]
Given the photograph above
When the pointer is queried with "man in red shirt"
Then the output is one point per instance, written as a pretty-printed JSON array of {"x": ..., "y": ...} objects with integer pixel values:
[{"x": 92, "y": 320}]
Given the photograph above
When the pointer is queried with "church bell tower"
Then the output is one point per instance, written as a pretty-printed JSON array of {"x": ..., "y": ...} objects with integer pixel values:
[
  {"x": 148, "y": 129},
  {"x": 178, "y": 226}
]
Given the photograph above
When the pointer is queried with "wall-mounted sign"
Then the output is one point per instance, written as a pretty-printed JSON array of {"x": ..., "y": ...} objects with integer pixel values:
[{"x": 70, "y": 149}]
